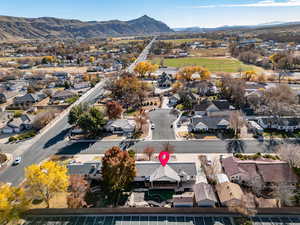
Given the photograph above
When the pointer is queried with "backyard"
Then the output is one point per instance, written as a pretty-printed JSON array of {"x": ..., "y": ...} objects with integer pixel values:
[{"x": 212, "y": 64}]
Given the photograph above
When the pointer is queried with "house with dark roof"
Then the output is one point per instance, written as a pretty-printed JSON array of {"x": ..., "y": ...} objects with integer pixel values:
[
  {"x": 16, "y": 125},
  {"x": 288, "y": 124},
  {"x": 164, "y": 80},
  {"x": 26, "y": 101},
  {"x": 205, "y": 123},
  {"x": 63, "y": 95},
  {"x": 212, "y": 107},
  {"x": 204, "y": 195}
]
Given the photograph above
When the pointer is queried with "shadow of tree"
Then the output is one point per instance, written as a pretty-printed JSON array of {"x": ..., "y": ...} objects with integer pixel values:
[
  {"x": 271, "y": 145},
  {"x": 75, "y": 148},
  {"x": 57, "y": 138},
  {"x": 235, "y": 146}
]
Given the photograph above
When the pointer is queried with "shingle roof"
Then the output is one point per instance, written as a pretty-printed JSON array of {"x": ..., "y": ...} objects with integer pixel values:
[
  {"x": 204, "y": 191},
  {"x": 84, "y": 168},
  {"x": 164, "y": 173},
  {"x": 210, "y": 122}
]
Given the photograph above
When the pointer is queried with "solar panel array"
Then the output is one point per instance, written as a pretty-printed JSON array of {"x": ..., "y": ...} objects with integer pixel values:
[{"x": 153, "y": 220}]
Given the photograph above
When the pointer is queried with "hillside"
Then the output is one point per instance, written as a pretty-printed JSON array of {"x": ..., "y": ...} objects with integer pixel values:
[{"x": 48, "y": 27}]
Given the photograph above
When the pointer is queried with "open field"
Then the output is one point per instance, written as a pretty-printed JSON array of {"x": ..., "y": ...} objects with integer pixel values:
[
  {"x": 210, "y": 52},
  {"x": 212, "y": 64},
  {"x": 8, "y": 59}
]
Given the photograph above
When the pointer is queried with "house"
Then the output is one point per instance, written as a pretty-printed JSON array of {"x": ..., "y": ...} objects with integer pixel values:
[
  {"x": 63, "y": 76},
  {"x": 27, "y": 100},
  {"x": 212, "y": 107},
  {"x": 199, "y": 123},
  {"x": 7, "y": 95},
  {"x": 120, "y": 126},
  {"x": 204, "y": 195},
  {"x": 283, "y": 124},
  {"x": 176, "y": 176},
  {"x": 81, "y": 85},
  {"x": 165, "y": 80},
  {"x": 229, "y": 193},
  {"x": 174, "y": 99},
  {"x": 204, "y": 88},
  {"x": 63, "y": 95},
  {"x": 16, "y": 125},
  {"x": 268, "y": 172},
  {"x": 184, "y": 200}
]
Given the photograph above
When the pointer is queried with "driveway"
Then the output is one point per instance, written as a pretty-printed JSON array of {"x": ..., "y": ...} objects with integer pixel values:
[{"x": 162, "y": 118}]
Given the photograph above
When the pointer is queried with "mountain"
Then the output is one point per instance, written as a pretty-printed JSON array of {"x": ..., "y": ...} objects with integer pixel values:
[
  {"x": 237, "y": 27},
  {"x": 48, "y": 27}
]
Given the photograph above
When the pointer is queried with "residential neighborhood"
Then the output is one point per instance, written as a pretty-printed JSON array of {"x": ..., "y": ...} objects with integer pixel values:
[{"x": 133, "y": 122}]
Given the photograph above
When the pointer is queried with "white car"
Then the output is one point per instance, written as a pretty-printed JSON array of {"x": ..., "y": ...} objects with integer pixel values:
[
  {"x": 152, "y": 126},
  {"x": 17, "y": 161}
]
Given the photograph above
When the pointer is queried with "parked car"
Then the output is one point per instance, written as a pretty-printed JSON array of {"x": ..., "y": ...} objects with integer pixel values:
[
  {"x": 17, "y": 161},
  {"x": 152, "y": 126}
]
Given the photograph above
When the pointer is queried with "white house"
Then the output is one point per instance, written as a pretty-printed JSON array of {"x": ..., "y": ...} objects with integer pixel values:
[{"x": 120, "y": 126}]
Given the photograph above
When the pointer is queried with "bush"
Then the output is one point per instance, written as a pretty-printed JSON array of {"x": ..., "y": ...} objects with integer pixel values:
[
  {"x": 3, "y": 158},
  {"x": 180, "y": 107},
  {"x": 131, "y": 153},
  {"x": 17, "y": 114},
  {"x": 12, "y": 139}
]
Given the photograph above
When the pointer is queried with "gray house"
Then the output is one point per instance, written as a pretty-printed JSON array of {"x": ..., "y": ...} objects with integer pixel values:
[
  {"x": 205, "y": 123},
  {"x": 204, "y": 195}
]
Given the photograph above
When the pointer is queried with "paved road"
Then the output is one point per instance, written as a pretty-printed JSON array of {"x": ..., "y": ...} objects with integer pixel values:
[
  {"x": 191, "y": 146},
  {"x": 53, "y": 140},
  {"x": 162, "y": 119}
]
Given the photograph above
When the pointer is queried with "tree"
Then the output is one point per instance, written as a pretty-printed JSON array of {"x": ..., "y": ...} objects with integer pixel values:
[
  {"x": 250, "y": 75},
  {"x": 236, "y": 121},
  {"x": 46, "y": 180},
  {"x": 78, "y": 188},
  {"x": 143, "y": 68},
  {"x": 186, "y": 73},
  {"x": 92, "y": 121},
  {"x": 141, "y": 119},
  {"x": 233, "y": 89},
  {"x": 242, "y": 206},
  {"x": 13, "y": 202},
  {"x": 43, "y": 118},
  {"x": 113, "y": 110},
  {"x": 278, "y": 101},
  {"x": 76, "y": 112},
  {"x": 149, "y": 151},
  {"x": 290, "y": 153},
  {"x": 118, "y": 171}
]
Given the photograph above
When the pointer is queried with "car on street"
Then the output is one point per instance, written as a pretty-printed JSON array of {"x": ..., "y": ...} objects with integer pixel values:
[
  {"x": 152, "y": 126},
  {"x": 17, "y": 161}
]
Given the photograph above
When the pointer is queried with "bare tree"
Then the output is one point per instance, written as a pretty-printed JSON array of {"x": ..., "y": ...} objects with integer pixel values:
[
  {"x": 237, "y": 121},
  {"x": 284, "y": 194},
  {"x": 141, "y": 119},
  {"x": 42, "y": 119},
  {"x": 149, "y": 151},
  {"x": 290, "y": 153},
  {"x": 243, "y": 206}
]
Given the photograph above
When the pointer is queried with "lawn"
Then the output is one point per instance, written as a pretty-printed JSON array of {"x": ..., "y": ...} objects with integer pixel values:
[{"x": 212, "y": 64}]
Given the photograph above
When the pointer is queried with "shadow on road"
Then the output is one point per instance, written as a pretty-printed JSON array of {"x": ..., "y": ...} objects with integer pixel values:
[
  {"x": 235, "y": 146},
  {"x": 57, "y": 138},
  {"x": 271, "y": 145},
  {"x": 75, "y": 148}
]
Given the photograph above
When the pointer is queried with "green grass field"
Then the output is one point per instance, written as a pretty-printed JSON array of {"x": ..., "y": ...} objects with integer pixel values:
[{"x": 212, "y": 64}]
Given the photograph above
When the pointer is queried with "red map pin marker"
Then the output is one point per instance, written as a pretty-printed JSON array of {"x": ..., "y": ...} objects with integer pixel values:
[{"x": 164, "y": 158}]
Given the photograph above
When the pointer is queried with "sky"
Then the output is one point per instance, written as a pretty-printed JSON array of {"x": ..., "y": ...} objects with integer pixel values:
[{"x": 175, "y": 13}]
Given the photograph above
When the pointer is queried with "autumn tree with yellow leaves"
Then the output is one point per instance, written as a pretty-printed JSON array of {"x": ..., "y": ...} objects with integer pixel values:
[
  {"x": 249, "y": 75},
  {"x": 144, "y": 68},
  {"x": 13, "y": 202},
  {"x": 46, "y": 180},
  {"x": 186, "y": 73}
]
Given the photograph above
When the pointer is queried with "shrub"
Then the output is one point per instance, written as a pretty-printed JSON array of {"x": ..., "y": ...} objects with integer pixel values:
[
  {"x": 12, "y": 139},
  {"x": 3, "y": 158},
  {"x": 180, "y": 107},
  {"x": 131, "y": 153},
  {"x": 17, "y": 114}
]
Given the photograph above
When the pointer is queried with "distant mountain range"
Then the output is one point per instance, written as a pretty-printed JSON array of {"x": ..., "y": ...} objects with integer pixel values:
[
  {"x": 225, "y": 28},
  {"x": 48, "y": 27}
]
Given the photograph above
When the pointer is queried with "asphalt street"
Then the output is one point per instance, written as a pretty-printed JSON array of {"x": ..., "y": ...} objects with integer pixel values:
[
  {"x": 189, "y": 146},
  {"x": 162, "y": 119}
]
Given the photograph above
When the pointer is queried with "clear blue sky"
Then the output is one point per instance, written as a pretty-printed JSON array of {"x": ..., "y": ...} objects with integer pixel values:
[{"x": 176, "y": 13}]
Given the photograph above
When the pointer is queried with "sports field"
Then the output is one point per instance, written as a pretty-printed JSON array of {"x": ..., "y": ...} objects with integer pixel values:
[{"x": 212, "y": 64}]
